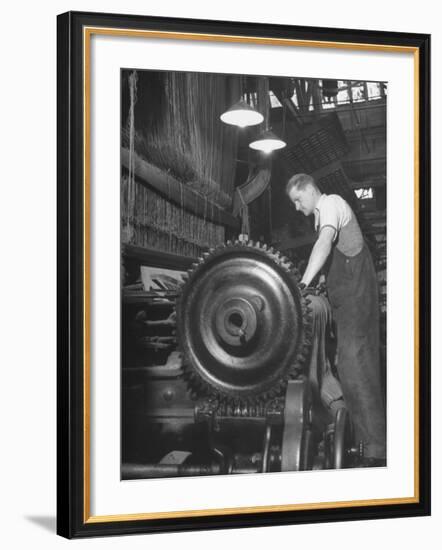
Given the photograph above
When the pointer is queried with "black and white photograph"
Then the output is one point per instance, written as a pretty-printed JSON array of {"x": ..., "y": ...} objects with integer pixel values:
[
  {"x": 219, "y": 319},
  {"x": 243, "y": 274},
  {"x": 253, "y": 238}
]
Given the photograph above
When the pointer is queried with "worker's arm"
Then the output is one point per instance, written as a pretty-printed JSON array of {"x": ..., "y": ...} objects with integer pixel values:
[{"x": 319, "y": 254}]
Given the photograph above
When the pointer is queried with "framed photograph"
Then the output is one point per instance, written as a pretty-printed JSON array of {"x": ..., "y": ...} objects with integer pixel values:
[{"x": 243, "y": 274}]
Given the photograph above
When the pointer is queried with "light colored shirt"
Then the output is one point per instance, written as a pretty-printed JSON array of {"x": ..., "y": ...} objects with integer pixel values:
[{"x": 333, "y": 211}]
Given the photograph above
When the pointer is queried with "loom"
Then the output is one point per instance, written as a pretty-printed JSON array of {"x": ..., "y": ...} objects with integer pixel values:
[{"x": 243, "y": 381}]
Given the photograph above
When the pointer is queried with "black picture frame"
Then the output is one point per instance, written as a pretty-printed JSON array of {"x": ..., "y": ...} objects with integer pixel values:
[{"x": 73, "y": 518}]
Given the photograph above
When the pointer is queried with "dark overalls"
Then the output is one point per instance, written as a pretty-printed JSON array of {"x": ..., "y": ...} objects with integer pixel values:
[{"x": 353, "y": 294}]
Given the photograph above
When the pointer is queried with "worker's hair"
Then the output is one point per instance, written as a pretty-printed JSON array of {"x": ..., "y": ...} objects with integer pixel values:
[{"x": 300, "y": 181}]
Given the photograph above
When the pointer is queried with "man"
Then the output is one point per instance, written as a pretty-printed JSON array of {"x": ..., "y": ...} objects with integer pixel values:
[{"x": 353, "y": 294}]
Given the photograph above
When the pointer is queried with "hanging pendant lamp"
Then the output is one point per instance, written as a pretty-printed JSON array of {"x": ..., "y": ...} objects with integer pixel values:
[
  {"x": 267, "y": 142},
  {"x": 242, "y": 115}
]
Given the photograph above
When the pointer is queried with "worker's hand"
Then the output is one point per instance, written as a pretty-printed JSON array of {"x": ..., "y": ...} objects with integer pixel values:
[
  {"x": 306, "y": 290},
  {"x": 312, "y": 290},
  {"x": 321, "y": 288}
]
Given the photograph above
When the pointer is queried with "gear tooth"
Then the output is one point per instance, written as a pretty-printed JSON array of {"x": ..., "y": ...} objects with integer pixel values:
[
  {"x": 194, "y": 266},
  {"x": 308, "y": 330},
  {"x": 205, "y": 255},
  {"x": 251, "y": 243},
  {"x": 211, "y": 250},
  {"x": 271, "y": 250},
  {"x": 229, "y": 243},
  {"x": 264, "y": 246},
  {"x": 258, "y": 244}
]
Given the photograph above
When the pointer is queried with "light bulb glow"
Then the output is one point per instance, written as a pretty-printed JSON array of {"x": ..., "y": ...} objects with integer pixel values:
[
  {"x": 242, "y": 117},
  {"x": 267, "y": 145}
]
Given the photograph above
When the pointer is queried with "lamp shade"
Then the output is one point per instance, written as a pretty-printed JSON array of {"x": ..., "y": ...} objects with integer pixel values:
[
  {"x": 241, "y": 114},
  {"x": 267, "y": 142}
]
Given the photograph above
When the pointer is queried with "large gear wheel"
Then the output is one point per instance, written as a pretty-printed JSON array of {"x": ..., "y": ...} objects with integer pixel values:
[{"x": 243, "y": 325}]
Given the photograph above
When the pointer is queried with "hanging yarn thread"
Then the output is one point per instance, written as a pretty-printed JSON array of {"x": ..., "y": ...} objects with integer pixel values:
[
  {"x": 158, "y": 223},
  {"x": 133, "y": 78},
  {"x": 181, "y": 135}
]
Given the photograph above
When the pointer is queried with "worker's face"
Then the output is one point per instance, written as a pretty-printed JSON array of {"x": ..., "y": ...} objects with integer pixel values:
[{"x": 303, "y": 199}]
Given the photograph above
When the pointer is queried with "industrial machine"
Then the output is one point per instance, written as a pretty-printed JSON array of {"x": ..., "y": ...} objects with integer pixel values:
[{"x": 233, "y": 380}]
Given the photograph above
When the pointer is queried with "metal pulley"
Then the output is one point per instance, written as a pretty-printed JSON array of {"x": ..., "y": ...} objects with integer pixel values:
[
  {"x": 297, "y": 451},
  {"x": 242, "y": 323}
]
